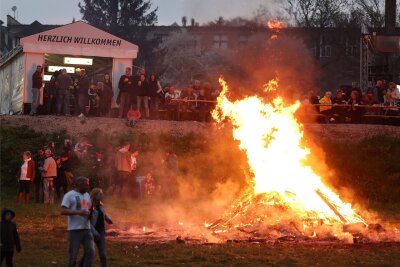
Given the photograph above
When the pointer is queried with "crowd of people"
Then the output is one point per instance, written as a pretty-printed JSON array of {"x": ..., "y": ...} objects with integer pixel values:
[
  {"x": 140, "y": 93},
  {"x": 350, "y": 104},
  {"x": 51, "y": 172}
]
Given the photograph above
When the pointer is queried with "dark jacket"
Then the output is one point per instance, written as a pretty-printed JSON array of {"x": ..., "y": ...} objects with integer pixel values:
[
  {"x": 9, "y": 233},
  {"x": 95, "y": 217},
  {"x": 153, "y": 87},
  {"x": 63, "y": 82},
  {"x": 37, "y": 80},
  {"x": 142, "y": 89},
  {"x": 83, "y": 85},
  {"x": 126, "y": 86},
  {"x": 106, "y": 95}
]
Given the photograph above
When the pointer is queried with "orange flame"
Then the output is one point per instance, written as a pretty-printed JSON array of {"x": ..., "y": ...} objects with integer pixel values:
[
  {"x": 271, "y": 137},
  {"x": 275, "y": 25}
]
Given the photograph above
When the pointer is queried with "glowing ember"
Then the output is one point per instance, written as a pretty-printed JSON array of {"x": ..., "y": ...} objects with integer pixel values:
[
  {"x": 275, "y": 25},
  {"x": 271, "y": 137}
]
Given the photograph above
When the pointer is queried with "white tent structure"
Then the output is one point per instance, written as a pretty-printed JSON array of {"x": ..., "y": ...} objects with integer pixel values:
[{"x": 75, "y": 39}]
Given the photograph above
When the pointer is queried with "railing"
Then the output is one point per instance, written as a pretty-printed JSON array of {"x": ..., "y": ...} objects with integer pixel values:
[
  {"x": 5, "y": 58},
  {"x": 374, "y": 111}
]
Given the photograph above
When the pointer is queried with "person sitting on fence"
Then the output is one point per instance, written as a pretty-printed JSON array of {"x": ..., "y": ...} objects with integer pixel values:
[
  {"x": 339, "y": 110},
  {"x": 172, "y": 106},
  {"x": 354, "y": 113},
  {"x": 203, "y": 107},
  {"x": 326, "y": 108},
  {"x": 133, "y": 116}
]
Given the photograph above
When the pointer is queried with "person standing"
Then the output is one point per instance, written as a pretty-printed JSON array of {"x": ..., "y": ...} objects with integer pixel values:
[
  {"x": 125, "y": 86},
  {"x": 106, "y": 94},
  {"x": 49, "y": 175},
  {"x": 143, "y": 94},
  {"x": 98, "y": 220},
  {"x": 26, "y": 177},
  {"x": 123, "y": 164},
  {"x": 76, "y": 205},
  {"x": 39, "y": 180},
  {"x": 50, "y": 92},
  {"x": 63, "y": 83},
  {"x": 83, "y": 89},
  {"x": 9, "y": 237},
  {"x": 37, "y": 83},
  {"x": 155, "y": 90}
]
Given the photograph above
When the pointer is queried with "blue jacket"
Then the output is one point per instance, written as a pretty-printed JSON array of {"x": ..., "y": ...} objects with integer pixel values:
[{"x": 95, "y": 216}]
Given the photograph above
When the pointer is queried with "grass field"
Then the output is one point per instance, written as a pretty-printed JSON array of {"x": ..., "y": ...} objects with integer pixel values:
[{"x": 44, "y": 243}]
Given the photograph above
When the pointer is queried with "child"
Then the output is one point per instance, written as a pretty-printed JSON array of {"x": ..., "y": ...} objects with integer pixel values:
[
  {"x": 98, "y": 220},
  {"x": 150, "y": 185},
  {"x": 9, "y": 236},
  {"x": 133, "y": 116}
]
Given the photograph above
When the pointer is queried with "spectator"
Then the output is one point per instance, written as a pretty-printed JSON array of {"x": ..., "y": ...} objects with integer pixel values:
[
  {"x": 98, "y": 220},
  {"x": 133, "y": 184},
  {"x": 155, "y": 90},
  {"x": 340, "y": 111},
  {"x": 123, "y": 164},
  {"x": 76, "y": 205},
  {"x": 368, "y": 98},
  {"x": 75, "y": 91},
  {"x": 67, "y": 147},
  {"x": 143, "y": 94},
  {"x": 106, "y": 93},
  {"x": 49, "y": 175},
  {"x": 133, "y": 116},
  {"x": 197, "y": 87},
  {"x": 83, "y": 88},
  {"x": 37, "y": 83},
  {"x": 313, "y": 99},
  {"x": 9, "y": 237},
  {"x": 354, "y": 112},
  {"x": 52, "y": 146},
  {"x": 39, "y": 179},
  {"x": 172, "y": 106},
  {"x": 394, "y": 92},
  {"x": 92, "y": 93},
  {"x": 203, "y": 107},
  {"x": 50, "y": 92},
  {"x": 150, "y": 185},
  {"x": 125, "y": 86},
  {"x": 26, "y": 176},
  {"x": 61, "y": 180},
  {"x": 379, "y": 91},
  {"x": 81, "y": 147},
  {"x": 63, "y": 83},
  {"x": 326, "y": 108},
  {"x": 171, "y": 172}
]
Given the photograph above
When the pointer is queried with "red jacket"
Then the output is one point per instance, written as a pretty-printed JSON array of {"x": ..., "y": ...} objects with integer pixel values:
[
  {"x": 37, "y": 80},
  {"x": 31, "y": 172}
]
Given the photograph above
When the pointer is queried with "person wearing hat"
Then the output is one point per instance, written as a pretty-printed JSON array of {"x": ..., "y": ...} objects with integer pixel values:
[{"x": 9, "y": 237}]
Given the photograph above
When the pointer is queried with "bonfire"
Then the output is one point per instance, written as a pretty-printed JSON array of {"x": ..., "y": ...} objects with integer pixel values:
[{"x": 285, "y": 197}]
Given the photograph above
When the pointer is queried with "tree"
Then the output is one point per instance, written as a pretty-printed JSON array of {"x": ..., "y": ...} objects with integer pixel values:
[
  {"x": 316, "y": 13},
  {"x": 128, "y": 19},
  {"x": 374, "y": 11}
]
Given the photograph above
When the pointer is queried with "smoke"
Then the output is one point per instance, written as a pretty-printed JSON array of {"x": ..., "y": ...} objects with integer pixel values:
[{"x": 207, "y": 10}]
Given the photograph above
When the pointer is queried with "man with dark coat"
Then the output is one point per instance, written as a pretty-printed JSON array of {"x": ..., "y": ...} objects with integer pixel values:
[
  {"x": 9, "y": 237},
  {"x": 37, "y": 83},
  {"x": 125, "y": 85}
]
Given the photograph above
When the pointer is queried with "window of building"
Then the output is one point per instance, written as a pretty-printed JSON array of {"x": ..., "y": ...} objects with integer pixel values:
[
  {"x": 243, "y": 40},
  {"x": 325, "y": 50},
  {"x": 220, "y": 41},
  {"x": 352, "y": 50}
]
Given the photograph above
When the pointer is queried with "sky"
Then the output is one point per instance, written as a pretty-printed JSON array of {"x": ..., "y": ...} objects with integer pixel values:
[{"x": 169, "y": 11}]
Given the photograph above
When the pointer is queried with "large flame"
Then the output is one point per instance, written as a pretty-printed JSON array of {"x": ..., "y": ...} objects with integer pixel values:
[{"x": 271, "y": 137}]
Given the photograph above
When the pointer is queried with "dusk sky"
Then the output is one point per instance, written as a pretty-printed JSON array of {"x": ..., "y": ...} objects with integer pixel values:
[{"x": 170, "y": 11}]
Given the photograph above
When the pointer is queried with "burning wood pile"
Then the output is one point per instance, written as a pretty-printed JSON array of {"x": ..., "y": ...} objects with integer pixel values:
[{"x": 286, "y": 199}]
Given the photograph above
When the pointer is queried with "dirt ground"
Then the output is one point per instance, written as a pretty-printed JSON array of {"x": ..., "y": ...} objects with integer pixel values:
[{"x": 77, "y": 127}]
